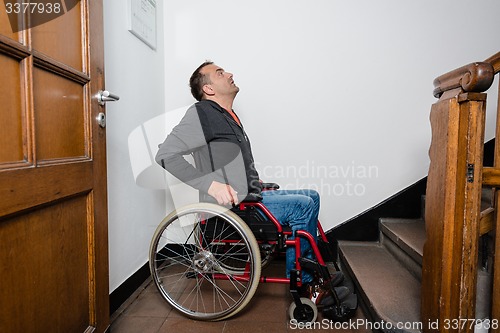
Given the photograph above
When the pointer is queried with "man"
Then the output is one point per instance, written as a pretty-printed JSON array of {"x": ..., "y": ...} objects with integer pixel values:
[{"x": 225, "y": 170}]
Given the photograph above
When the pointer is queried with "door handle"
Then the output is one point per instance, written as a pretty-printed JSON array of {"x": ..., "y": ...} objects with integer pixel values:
[{"x": 104, "y": 96}]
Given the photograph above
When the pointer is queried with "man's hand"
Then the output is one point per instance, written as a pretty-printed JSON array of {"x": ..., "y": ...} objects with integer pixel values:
[{"x": 223, "y": 193}]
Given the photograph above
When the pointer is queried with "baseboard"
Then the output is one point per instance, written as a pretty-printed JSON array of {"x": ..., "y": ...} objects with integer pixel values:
[
  {"x": 364, "y": 227},
  {"x": 127, "y": 288}
]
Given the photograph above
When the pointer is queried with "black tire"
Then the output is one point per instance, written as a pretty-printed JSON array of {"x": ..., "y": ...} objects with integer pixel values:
[{"x": 307, "y": 312}]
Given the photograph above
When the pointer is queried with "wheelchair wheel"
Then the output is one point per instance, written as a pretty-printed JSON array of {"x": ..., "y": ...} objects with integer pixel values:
[
  {"x": 307, "y": 312},
  {"x": 205, "y": 261}
]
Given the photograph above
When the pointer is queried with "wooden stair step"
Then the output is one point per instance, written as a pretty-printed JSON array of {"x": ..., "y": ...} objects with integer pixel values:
[
  {"x": 408, "y": 234},
  {"x": 387, "y": 290}
]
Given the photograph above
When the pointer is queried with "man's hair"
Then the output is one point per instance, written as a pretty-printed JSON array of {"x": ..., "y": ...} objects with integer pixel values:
[{"x": 198, "y": 80}]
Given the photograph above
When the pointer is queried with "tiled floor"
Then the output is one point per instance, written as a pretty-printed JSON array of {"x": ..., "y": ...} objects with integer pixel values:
[{"x": 147, "y": 312}]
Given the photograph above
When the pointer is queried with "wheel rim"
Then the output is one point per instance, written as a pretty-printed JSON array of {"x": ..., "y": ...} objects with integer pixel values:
[{"x": 206, "y": 270}]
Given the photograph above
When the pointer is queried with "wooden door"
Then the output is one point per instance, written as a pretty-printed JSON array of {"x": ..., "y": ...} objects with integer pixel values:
[{"x": 53, "y": 208}]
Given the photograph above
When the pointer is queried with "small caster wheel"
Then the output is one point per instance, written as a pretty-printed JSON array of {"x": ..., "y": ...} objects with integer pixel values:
[{"x": 307, "y": 312}]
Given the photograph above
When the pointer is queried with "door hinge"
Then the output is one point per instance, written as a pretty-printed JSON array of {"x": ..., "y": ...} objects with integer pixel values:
[{"x": 470, "y": 172}]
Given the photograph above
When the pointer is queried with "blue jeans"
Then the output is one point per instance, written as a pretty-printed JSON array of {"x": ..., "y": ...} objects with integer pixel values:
[{"x": 299, "y": 210}]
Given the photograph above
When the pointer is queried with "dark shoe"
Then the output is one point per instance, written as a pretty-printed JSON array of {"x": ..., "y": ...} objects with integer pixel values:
[
  {"x": 322, "y": 294},
  {"x": 325, "y": 287},
  {"x": 331, "y": 266},
  {"x": 326, "y": 298},
  {"x": 336, "y": 278}
]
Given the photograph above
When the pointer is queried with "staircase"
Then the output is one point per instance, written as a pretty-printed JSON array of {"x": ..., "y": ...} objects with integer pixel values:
[
  {"x": 430, "y": 276},
  {"x": 387, "y": 274}
]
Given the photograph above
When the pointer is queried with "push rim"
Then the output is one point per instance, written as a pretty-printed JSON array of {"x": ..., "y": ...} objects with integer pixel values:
[{"x": 205, "y": 261}]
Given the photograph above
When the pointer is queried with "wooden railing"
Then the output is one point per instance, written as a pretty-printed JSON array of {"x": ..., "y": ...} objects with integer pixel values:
[{"x": 453, "y": 217}]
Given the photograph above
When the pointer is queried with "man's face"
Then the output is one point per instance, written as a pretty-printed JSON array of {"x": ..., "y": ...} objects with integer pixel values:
[{"x": 221, "y": 82}]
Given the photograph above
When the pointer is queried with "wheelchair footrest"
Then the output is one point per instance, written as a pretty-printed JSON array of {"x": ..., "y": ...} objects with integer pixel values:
[
  {"x": 314, "y": 266},
  {"x": 323, "y": 271}
]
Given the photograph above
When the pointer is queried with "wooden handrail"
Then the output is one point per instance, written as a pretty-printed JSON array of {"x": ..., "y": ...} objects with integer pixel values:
[
  {"x": 475, "y": 77},
  {"x": 494, "y": 60}
]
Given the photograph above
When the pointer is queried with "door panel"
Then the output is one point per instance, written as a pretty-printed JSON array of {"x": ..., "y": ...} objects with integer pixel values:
[
  {"x": 61, "y": 38},
  {"x": 26, "y": 188},
  {"x": 53, "y": 207},
  {"x": 38, "y": 248},
  {"x": 60, "y": 124},
  {"x": 11, "y": 111},
  {"x": 5, "y": 23}
]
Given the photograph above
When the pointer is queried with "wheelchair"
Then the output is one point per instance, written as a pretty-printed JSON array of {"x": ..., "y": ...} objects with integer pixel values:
[{"x": 206, "y": 262}]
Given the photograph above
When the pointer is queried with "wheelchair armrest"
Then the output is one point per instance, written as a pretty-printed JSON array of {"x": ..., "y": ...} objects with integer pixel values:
[
  {"x": 270, "y": 186},
  {"x": 253, "y": 197}
]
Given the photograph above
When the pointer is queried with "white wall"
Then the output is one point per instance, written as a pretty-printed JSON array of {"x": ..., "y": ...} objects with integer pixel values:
[
  {"x": 335, "y": 95},
  {"x": 134, "y": 72},
  {"x": 347, "y": 85}
]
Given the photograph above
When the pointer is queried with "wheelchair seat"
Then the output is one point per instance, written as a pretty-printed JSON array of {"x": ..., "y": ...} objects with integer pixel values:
[{"x": 260, "y": 224}]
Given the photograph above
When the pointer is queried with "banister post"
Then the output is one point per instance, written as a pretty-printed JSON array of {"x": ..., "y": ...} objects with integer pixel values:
[{"x": 452, "y": 210}]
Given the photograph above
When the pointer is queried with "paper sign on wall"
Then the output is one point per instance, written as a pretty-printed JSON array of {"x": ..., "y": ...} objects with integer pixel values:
[{"x": 143, "y": 21}]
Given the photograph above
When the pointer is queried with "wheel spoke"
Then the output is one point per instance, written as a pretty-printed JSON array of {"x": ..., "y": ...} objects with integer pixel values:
[{"x": 199, "y": 268}]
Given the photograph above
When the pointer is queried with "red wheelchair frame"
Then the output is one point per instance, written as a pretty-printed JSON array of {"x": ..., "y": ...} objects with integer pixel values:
[{"x": 201, "y": 265}]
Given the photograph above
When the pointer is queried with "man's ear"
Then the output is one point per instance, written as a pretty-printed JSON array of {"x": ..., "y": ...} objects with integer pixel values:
[{"x": 208, "y": 90}]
